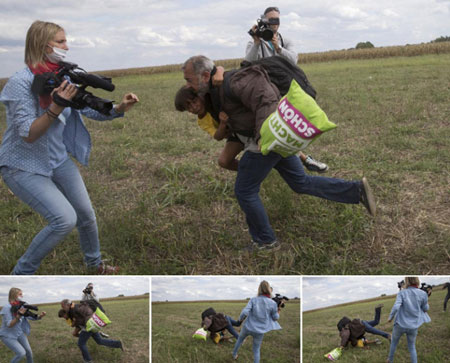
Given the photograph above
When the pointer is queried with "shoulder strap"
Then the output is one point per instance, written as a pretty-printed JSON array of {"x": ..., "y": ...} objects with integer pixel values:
[
  {"x": 228, "y": 92},
  {"x": 281, "y": 38}
]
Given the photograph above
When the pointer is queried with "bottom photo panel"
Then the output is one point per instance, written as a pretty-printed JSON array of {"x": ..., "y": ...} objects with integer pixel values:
[
  {"x": 74, "y": 319},
  {"x": 226, "y": 318},
  {"x": 376, "y": 319}
]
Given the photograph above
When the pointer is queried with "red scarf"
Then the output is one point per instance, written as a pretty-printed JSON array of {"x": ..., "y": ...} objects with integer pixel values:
[
  {"x": 45, "y": 100},
  {"x": 267, "y": 295}
]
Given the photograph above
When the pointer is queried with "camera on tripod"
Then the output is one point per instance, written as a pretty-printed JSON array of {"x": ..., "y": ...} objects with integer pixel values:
[
  {"x": 263, "y": 29},
  {"x": 280, "y": 300},
  {"x": 44, "y": 84},
  {"x": 22, "y": 304}
]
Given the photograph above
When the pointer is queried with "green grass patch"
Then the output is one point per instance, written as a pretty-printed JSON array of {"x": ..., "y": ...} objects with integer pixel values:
[
  {"x": 164, "y": 206},
  {"x": 174, "y": 323}
]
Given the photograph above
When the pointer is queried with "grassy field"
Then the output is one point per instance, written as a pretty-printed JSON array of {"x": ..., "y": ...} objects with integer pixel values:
[
  {"x": 164, "y": 206},
  {"x": 320, "y": 334},
  {"x": 51, "y": 338},
  {"x": 174, "y": 323}
]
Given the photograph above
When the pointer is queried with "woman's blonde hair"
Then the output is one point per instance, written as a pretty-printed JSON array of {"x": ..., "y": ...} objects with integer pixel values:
[
  {"x": 13, "y": 293},
  {"x": 264, "y": 288},
  {"x": 411, "y": 281},
  {"x": 39, "y": 35}
]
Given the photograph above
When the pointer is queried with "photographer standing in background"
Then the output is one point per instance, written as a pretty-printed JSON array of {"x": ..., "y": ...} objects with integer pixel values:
[
  {"x": 258, "y": 48},
  {"x": 15, "y": 327},
  {"x": 89, "y": 294},
  {"x": 34, "y": 155}
]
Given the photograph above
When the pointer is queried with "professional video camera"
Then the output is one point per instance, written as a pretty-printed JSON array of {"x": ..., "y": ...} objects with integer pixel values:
[
  {"x": 87, "y": 290},
  {"x": 44, "y": 84},
  {"x": 263, "y": 29},
  {"x": 28, "y": 313},
  {"x": 280, "y": 300},
  {"x": 401, "y": 284},
  {"x": 427, "y": 288}
]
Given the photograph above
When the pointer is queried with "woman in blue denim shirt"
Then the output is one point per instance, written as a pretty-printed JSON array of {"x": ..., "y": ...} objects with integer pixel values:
[
  {"x": 410, "y": 311},
  {"x": 262, "y": 314},
  {"x": 15, "y": 328},
  {"x": 34, "y": 155}
]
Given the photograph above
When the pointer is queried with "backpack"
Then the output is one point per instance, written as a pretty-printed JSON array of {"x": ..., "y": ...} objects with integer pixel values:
[
  {"x": 93, "y": 304},
  {"x": 281, "y": 72}
]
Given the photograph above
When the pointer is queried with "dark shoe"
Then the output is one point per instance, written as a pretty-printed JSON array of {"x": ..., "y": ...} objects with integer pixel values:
[
  {"x": 366, "y": 197},
  {"x": 389, "y": 337},
  {"x": 313, "y": 165},
  {"x": 104, "y": 269}
]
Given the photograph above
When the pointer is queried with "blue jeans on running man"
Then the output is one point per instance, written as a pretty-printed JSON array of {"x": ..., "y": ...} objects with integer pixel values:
[
  {"x": 371, "y": 324},
  {"x": 21, "y": 347},
  {"x": 63, "y": 201},
  {"x": 257, "y": 341},
  {"x": 254, "y": 168},
  {"x": 84, "y": 337},
  {"x": 411, "y": 335},
  {"x": 230, "y": 325}
]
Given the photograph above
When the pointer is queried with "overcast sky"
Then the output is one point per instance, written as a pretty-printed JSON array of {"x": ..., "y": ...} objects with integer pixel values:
[
  {"x": 188, "y": 288},
  {"x": 42, "y": 289},
  {"x": 113, "y": 34},
  {"x": 320, "y": 292}
]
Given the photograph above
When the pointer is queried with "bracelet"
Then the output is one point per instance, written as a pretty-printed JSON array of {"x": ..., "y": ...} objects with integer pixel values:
[{"x": 51, "y": 114}]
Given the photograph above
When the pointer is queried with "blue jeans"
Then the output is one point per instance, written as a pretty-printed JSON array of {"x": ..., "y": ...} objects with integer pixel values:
[
  {"x": 371, "y": 324},
  {"x": 63, "y": 201},
  {"x": 257, "y": 341},
  {"x": 411, "y": 335},
  {"x": 21, "y": 347},
  {"x": 230, "y": 325},
  {"x": 84, "y": 337},
  {"x": 254, "y": 168}
]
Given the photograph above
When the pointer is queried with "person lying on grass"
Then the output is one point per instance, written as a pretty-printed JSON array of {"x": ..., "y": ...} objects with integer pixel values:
[
  {"x": 216, "y": 323},
  {"x": 354, "y": 330}
]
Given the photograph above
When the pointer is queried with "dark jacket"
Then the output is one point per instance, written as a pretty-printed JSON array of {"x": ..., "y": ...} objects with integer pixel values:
[
  {"x": 80, "y": 314},
  {"x": 254, "y": 99},
  {"x": 352, "y": 331},
  {"x": 215, "y": 323}
]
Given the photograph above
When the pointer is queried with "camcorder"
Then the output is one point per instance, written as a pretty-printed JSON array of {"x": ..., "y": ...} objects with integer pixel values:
[
  {"x": 280, "y": 300},
  {"x": 427, "y": 288},
  {"x": 263, "y": 29},
  {"x": 87, "y": 290},
  {"x": 401, "y": 284},
  {"x": 44, "y": 84},
  {"x": 28, "y": 313}
]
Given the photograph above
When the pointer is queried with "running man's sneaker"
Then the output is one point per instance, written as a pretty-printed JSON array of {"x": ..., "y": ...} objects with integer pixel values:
[
  {"x": 274, "y": 245},
  {"x": 366, "y": 197},
  {"x": 121, "y": 344},
  {"x": 103, "y": 335},
  {"x": 314, "y": 165}
]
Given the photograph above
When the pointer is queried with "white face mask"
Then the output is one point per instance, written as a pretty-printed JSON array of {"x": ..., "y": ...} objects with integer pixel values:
[{"x": 58, "y": 55}]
